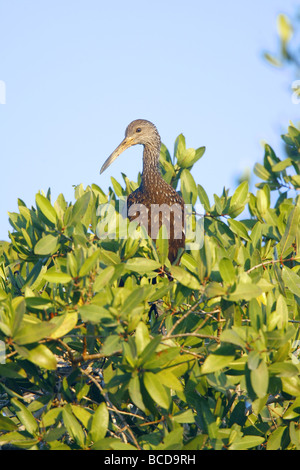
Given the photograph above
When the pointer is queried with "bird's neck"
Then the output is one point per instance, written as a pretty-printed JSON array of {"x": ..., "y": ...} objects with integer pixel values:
[{"x": 151, "y": 172}]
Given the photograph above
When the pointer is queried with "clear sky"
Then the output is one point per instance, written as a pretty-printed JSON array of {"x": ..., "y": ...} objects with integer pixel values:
[{"x": 77, "y": 72}]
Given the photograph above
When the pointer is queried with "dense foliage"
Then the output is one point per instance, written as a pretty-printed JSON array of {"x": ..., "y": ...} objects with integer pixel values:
[{"x": 108, "y": 346}]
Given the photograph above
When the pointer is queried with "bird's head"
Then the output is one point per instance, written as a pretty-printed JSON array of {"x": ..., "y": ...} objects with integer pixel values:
[{"x": 139, "y": 131}]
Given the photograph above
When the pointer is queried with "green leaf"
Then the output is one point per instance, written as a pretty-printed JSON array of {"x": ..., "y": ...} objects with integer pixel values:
[
  {"x": 51, "y": 417},
  {"x": 199, "y": 153},
  {"x": 103, "y": 278},
  {"x": 117, "y": 187},
  {"x": 73, "y": 426},
  {"x": 278, "y": 338},
  {"x": 262, "y": 172},
  {"x": 52, "y": 275},
  {"x": 39, "y": 355},
  {"x": 111, "y": 344},
  {"x": 142, "y": 265},
  {"x": 245, "y": 291},
  {"x": 227, "y": 270},
  {"x": 284, "y": 28},
  {"x": 240, "y": 195},
  {"x": 32, "y": 333},
  {"x": 63, "y": 324},
  {"x": 272, "y": 60},
  {"x": 277, "y": 438},
  {"x": 185, "y": 278},
  {"x": 186, "y": 158},
  {"x": 282, "y": 311},
  {"x": 207, "y": 418},
  {"x": 282, "y": 165},
  {"x": 214, "y": 289},
  {"x": 188, "y": 187},
  {"x": 293, "y": 411},
  {"x": 19, "y": 439},
  {"x": 142, "y": 337},
  {"x": 47, "y": 245},
  {"x": 149, "y": 350},
  {"x": 220, "y": 203},
  {"x": 260, "y": 379},
  {"x": 89, "y": 263},
  {"x": 290, "y": 232},
  {"x": 135, "y": 298},
  {"x": 38, "y": 303},
  {"x": 3, "y": 295},
  {"x": 295, "y": 434},
  {"x": 291, "y": 385},
  {"x": 239, "y": 229},
  {"x": 203, "y": 198},
  {"x": 80, "y": 207},
  {"x": 19, "y": 307},
  {"x": 246, "y": 442},
  {"x": 162, "y": 357},
  {"x": 26, "y": 418},
  {"x": 110, "y": 443},
  {"x": 179, "y": 146},
  {"x": 162, "y": 245},
  {"x": 46, "y": 208},
  {"x": 99, "y": 423},
  {"x": 109, "y": 257},
  {"x": 84, "y": 415},
  {"x": 293, "y": 133},
  {"x": 6, "y": 424},
  {"x": 60, "y": 205},
  {"x": 291, "y": 280},
  {"x": 218, "y": 360},
  {"x": 283, "y": 369},
  {"x": 295, "y": 180},
  {"x": 255, "y": 314},
  {"x": 168, "y": 379},
  {"x": 185, "y": 416},
  {"x": 34, "y": 278},
  {"x": 156, "y": 390},
  {"x": 93, "y": 313},
  {"x": 172, "y": 441},
  {"x": 129, "y": 354},
  {"x": 238, "y": 199},
  {"x": 134, "y": 389},
  {"x": 262, "y": 202},
  {"x": 253, "y": 360},
  {"x": 232, "y": 336}
]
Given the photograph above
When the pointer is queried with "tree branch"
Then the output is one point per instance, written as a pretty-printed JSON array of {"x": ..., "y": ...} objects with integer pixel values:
[{"x": 272, "y": 261}]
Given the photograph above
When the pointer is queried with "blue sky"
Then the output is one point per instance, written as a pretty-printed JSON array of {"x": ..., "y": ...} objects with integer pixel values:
[{"x": 77, "y": 73}]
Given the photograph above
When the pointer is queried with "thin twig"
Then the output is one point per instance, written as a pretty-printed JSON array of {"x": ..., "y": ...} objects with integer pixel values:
[
  {"x": 183, "y": 317},
  {"x": 128, "y": 413},
  {"x": 196, "y": 335},
  {"x": 198, "y": 356},
  {"x": 84, "y": 357},
  {"x": 272, "y": 261},
  {"x": 94, "y": 357},
  {"x": 113, "y": 408}
]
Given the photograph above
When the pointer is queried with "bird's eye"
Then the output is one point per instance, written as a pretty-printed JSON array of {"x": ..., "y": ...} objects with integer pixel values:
[{"x": 138, "y": 129}]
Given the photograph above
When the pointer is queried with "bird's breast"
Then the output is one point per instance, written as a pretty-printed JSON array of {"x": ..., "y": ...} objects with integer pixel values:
[{"x": 156, "y": 207}]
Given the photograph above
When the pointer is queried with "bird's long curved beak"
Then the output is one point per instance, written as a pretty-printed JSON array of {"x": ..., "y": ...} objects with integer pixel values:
[{"x": 127, "y": 142}]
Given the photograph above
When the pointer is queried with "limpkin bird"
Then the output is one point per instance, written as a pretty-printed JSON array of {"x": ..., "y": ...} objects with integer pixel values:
[{"x": 161, "y": 202}]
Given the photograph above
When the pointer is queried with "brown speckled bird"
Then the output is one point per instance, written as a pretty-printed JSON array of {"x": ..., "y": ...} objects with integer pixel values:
[{"x": 161, "y": 202}]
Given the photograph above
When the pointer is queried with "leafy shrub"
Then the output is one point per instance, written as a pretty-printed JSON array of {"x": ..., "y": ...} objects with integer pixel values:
[{"x": 110, "y": 347}]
